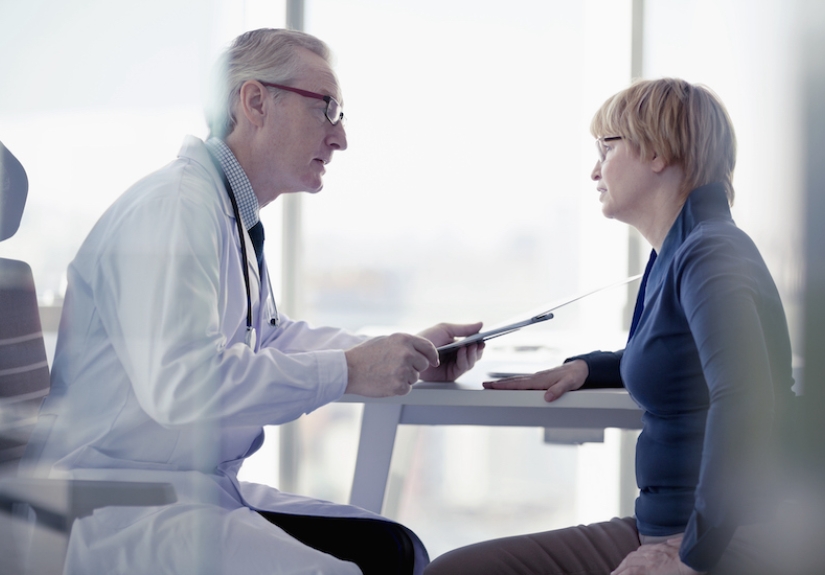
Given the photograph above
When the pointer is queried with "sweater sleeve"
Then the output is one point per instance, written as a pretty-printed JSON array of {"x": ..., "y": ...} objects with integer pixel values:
[
  {"x": 603, "y": 368},
  {"x": 729, "y": 302}
]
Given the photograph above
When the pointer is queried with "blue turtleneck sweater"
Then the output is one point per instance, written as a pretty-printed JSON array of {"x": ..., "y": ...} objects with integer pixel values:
[{"x": 709, "y": 361}]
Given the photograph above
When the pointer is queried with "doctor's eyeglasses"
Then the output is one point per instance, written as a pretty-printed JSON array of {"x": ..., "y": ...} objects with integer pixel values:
[
  {"x": 334, "y": 111},
  {"x": 600, "y": 147}
]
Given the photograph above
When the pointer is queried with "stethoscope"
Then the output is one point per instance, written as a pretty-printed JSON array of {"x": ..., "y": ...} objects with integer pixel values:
[{"x": 275, "y": 320}]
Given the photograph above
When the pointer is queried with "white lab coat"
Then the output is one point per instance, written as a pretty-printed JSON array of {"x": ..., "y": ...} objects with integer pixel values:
[{"x": 152, "y": 381}]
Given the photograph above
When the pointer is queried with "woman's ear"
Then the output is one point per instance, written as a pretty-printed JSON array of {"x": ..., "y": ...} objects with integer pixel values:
[
  {"x": 252, "y": 102},
  {"x": 657, "y": 163}
]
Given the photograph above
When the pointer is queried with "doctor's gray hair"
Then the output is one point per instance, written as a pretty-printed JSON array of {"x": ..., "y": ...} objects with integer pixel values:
[{"x": 268, "y": 55}]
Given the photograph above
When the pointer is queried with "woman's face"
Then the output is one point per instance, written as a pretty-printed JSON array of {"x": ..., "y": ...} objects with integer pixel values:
[{"x": 623, "y": 179}]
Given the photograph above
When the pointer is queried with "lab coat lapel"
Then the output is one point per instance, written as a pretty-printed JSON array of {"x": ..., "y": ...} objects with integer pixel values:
[{"x": 195, "y": 150}]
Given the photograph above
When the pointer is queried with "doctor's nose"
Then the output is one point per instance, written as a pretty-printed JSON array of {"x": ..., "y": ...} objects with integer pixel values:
[{"x": 337, "y": 138}]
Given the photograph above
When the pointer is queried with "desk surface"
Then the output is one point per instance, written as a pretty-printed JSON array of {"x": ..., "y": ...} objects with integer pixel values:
[
  {"x": 452, "y": 394},
  {"x": 445, "y": 404},
  {"x": 468, "y": 391}
]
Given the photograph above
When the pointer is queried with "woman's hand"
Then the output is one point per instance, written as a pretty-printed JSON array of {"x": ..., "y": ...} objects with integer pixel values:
[
  {"x": 556, "y": 381},
  {"x": 656, "y": 559}
]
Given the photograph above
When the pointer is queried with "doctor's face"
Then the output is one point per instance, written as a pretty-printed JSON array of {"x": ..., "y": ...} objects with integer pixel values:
[{"x": 298, "y": 137}]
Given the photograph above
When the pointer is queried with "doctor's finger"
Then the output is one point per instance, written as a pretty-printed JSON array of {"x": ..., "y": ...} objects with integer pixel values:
[
  {"x": 444, "y": 333},
  {"x": 398, "y": 382},
  {"x": 466, "y": 360},
  {"x": 403, "y": 385},
  {"x": 426, "y": 348},
  {"x": 419, "y": 362},
  {"x": 409, "y": 378},
  {"x": 460, "y": 360},
  {"x": 462, "y": 329},
  {"x": 474, "y": 353}
]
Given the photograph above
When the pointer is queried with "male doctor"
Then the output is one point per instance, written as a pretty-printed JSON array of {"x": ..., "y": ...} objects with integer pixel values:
[{"x": 172, "y": 355}]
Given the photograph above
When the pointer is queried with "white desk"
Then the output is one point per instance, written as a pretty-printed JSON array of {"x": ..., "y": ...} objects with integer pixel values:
[{"x": 466, "y": 403}]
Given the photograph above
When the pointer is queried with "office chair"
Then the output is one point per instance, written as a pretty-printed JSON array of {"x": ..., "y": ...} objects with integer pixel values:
[{"x": 41, "y": 505}]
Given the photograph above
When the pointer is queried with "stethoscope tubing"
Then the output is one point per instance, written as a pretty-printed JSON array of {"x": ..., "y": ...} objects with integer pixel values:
[{"x": 250, "y": 330}]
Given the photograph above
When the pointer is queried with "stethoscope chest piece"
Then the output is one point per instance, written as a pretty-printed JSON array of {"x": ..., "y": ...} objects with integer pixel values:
[{"x": 251, "y": 337}]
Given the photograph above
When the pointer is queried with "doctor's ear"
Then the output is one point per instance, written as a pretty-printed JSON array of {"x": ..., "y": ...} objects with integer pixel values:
[{"x": 253, "y": 99}]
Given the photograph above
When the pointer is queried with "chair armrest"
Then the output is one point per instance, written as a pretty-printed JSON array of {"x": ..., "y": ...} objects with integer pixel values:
[{"x": 58, "y": 502}]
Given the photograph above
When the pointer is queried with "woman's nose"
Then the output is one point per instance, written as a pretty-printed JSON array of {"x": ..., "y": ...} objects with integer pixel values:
[{"x": 596, "y": 174}]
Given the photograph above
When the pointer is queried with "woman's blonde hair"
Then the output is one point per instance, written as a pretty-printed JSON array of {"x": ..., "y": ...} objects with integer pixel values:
[{"x": 684, "y": 124}]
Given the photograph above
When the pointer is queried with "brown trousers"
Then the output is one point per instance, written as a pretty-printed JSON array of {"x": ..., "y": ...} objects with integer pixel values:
[
  {"x": 599, "y": 548},
  {"x": 584, "y": 550}
]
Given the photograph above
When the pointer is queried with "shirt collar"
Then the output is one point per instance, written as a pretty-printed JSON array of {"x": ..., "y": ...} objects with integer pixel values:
[{"x": 241, "y": 186}]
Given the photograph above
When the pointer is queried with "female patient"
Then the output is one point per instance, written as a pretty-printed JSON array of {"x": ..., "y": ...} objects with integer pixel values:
[{"x": 708, "y": 357}]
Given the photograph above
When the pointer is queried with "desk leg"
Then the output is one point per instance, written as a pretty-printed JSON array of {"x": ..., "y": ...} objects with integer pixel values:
[
  {"x": 372, "y": 468},
  {"x": 627, "y": 472}
]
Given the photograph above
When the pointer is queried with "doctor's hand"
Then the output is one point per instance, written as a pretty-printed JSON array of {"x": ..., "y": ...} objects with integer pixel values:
[
  {"x": 556, "y": 381},
  {"x": 453, "y": 364},
  {"x": 388, "y": 365},
  {"x": 656, "y": 559}
]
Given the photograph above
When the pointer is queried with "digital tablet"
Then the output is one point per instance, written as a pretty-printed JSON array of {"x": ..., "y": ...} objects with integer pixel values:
[
  {"x": 510, "y": 328},
  {"x": 499, "y": 331}
]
